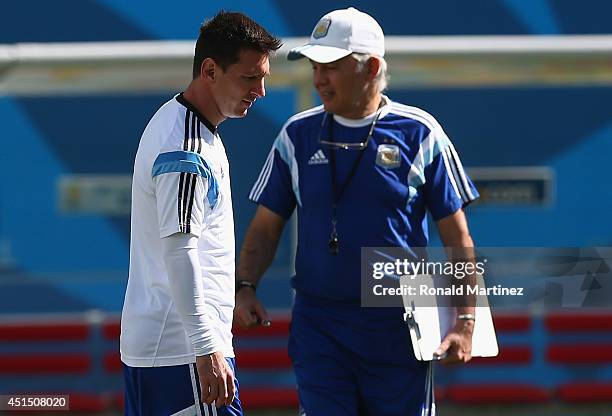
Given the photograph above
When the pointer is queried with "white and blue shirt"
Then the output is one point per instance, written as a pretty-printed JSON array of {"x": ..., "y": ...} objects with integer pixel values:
[
  {"x": 181, "y": 184},
  {"x": 409, "y": 167}
]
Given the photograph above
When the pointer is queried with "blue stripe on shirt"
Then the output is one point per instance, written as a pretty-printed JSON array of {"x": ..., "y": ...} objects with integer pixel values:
[{"x": 187, "y": 162}]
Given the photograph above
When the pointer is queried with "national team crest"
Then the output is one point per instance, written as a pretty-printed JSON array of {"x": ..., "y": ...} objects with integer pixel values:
[
  {"x": 388, "y": 156},
  {"x": 321, "y": 28}
]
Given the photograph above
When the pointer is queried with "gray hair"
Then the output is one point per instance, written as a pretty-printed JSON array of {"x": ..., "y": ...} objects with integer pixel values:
[{"x": 382, "y": 78}]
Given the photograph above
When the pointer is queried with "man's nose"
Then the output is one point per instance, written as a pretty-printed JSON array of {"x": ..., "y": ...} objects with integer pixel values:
[
  {"x": 319, "y": 77},
  {"x": 260, "y": 89}
]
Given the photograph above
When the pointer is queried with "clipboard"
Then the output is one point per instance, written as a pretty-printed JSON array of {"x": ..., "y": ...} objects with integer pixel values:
[{"x": 429, "y": 324}]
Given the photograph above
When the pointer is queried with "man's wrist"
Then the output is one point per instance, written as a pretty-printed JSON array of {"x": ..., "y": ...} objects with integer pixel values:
[{"x": 241, "y": 284}]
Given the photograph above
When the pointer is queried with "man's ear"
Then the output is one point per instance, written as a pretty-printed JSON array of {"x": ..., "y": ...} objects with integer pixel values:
[
  {"x": 208, "y": 70},
  {"x": 373, "y": 67}
]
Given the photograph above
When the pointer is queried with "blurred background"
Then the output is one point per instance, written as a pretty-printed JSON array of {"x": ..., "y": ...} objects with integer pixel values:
[{"x": 522, "y": 87}]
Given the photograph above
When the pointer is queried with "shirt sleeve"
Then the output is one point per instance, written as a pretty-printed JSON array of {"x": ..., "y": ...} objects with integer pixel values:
[
  {"x": 185, "y": 191},
  {"x": 276, "y": 188},
  {"x": 182, "y": 261},
  {"x": 447, "y": 186}
]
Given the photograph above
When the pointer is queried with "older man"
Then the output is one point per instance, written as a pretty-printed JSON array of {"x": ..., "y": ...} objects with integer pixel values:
[{"x": 362, "y": 171}]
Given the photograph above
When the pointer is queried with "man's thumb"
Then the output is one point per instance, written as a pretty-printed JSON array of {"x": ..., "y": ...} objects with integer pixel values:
[
  {"x": 262, "y": 315},
  {"x": 442, "y": 348}
]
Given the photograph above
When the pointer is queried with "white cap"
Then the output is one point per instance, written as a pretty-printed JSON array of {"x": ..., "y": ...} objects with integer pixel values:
[{"x": 340, "y": 33}]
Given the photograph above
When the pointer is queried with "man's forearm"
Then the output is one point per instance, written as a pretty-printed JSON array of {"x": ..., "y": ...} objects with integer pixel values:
[
  {"x": 257, "y": 253},
  {"x": 460, "y": 248},
  {"x": 465, "y": 254}
]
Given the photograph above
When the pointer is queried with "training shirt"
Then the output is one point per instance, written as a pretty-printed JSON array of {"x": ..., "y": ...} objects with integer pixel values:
[
  {"x": 409, "y": 167},
  {"x": 181, "y": 184}
]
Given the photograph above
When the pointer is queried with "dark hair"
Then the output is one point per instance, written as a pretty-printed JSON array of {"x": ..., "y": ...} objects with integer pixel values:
[{"x": 225, "y": 35}]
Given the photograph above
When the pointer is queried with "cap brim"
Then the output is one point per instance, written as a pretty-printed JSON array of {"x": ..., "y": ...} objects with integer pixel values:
[{"x": 318, "y": 53}]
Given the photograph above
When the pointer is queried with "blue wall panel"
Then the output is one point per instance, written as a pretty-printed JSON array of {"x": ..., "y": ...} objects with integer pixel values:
[
  {"x": 566, "y": 129},
  {"x": 107, "y": 20}
]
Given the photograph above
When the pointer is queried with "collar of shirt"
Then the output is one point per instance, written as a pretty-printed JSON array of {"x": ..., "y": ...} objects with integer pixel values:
[{"x": 367, "y": 120}]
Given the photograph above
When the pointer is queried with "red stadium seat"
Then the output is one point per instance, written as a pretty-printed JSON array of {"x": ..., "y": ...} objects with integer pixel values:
[
  {"x": 36, "y": 331},
  {"x": 440, "y": 393},
  {"x": 512, "y": 322},
  {"x": 580, "y": 353},
  {"x": 119, "y": 401},
  {"x": 90, "y": 403},
  {"x": 44, "y": 363},
  {"x": 585, "y": 392},
  {"x": 111, "y": 329},
  {"x": 272, "y": 398},
  {"x": 112, "y": 362},
  {"x": 510, "y": 355},
  {"x": 261, "y": 359},
  {"x": 497, "y": 394},
  {"x": 579, "y": 322}
]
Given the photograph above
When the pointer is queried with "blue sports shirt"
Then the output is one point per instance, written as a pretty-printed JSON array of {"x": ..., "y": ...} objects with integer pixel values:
[{"x": 409, "y": 167}]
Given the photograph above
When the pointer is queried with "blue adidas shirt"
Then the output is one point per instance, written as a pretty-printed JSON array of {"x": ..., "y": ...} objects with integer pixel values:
[{"x": 409, "y": 167}]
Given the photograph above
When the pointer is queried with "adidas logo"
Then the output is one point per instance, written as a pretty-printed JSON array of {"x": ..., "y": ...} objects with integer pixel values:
[{"x": 318, "y": 158}]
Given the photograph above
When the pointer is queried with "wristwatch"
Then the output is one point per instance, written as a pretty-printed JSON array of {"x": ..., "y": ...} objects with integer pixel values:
[
  {"x": 466, "y": 317},
  {"x": 245, "y": 283}
]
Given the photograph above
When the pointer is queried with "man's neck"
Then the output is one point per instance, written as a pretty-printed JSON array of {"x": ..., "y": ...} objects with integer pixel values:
[
  {"x": 202, "y": 100},
  {"x": 369, "y": 107}
]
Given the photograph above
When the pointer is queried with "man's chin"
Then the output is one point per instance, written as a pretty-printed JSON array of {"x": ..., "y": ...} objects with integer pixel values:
[
  {"x": 328, "y": 107},
  {"x": 238, "y": 114}
]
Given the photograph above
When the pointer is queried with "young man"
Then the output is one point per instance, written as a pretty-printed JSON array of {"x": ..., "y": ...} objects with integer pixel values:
[
  {"x": 362, "y": 171},
  {"x": 180, "y": 294}
]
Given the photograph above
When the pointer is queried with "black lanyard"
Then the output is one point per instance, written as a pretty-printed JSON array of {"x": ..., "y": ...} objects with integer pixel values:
[{"x": 337, "y": 192}]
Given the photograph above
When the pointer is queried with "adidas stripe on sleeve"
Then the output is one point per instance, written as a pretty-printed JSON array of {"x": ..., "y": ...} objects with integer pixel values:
[
  {"x": 447, "y": 186},
  {"x": 185, "y": 186},
  {"x": 276, "y": 186},
  {"x": 437, "y": 167}
]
